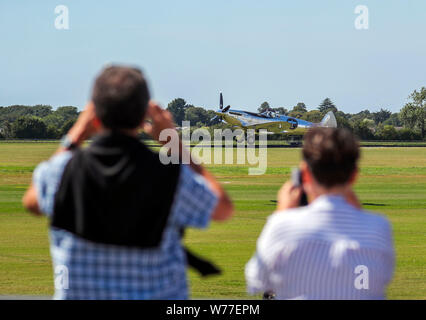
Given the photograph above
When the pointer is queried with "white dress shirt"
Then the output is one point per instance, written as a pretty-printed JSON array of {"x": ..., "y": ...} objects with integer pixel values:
[{"x": 326, "y": 250}]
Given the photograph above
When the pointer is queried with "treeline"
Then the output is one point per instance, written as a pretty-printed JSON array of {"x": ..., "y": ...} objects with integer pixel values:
[
  {"x": 408, "y": 124},
  {"x": 198, "y": 116},
  {"x": 42, "y": 122},
  {"x": 36, "y": 122}
]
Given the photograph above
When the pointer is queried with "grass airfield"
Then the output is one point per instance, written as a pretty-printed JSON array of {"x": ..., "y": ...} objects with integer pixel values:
[{"x": 392, "y": 181}]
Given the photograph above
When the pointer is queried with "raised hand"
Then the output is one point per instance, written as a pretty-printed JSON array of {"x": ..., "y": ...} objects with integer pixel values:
[
  {"x": 157, "y": 120},
  {"x": 289, "y": 196},
  {"x": 84, "y": 127}
]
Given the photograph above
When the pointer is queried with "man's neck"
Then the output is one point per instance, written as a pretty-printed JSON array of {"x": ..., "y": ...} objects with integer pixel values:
[
  {"x": 319, "y": 191},
  {"x": 344, "y": 191}
]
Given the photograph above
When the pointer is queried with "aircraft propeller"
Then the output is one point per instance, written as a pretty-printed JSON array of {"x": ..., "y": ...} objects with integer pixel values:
[
  {"x": 221, "y": 105},
  {"x": 221, "y": 109}
]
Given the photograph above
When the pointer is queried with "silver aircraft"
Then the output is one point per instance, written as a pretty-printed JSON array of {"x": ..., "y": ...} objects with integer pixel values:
[{"x": 271, "y": 121}]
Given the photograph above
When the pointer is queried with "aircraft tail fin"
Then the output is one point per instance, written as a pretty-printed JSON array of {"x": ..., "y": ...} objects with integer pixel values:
[{"x": 329, "y": 120}]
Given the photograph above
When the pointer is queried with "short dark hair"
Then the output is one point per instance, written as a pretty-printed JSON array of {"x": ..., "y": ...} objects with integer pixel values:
[
  {"x": 121, "y": 96},
  {"x": 331, "y": 155}
]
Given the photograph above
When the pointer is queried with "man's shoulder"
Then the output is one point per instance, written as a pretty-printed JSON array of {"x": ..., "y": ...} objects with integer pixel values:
[
  {"x": 310, "y": 220},
  {"x": 293, "y": 215},
  {"x": 55, "y": 164},
  {"x": 190, "y": 182},
  {"x": 375, "y": 219},
  {"x": 292, "y": 220},
  {"x": 46, "y": 179},
  {"x": 194, "y": 200},
  {"x": 61, "y": 158}
]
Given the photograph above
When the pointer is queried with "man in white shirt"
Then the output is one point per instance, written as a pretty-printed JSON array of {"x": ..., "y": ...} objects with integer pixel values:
[{"x": 331, "y": 248}]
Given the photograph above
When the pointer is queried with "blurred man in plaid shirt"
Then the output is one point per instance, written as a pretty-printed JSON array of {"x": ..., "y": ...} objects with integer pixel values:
[{"x": 116, "y": 212}]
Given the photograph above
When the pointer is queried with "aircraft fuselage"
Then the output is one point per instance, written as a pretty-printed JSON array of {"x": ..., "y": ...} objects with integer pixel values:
[{"x": 272, "y": 123}]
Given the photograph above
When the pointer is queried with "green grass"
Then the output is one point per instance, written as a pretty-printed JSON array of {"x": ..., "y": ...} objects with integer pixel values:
[{"x": 392, "y": 181}]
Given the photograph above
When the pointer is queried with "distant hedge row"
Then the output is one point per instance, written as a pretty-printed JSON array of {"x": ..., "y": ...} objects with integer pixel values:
[
  {"x": 36, "y": 122},
  {"x": 42, "y": 122}
]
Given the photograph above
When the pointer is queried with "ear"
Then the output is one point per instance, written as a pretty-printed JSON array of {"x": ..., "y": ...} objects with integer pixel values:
[
  {"x": 306, "y": 173},
  {"x": 97, "y": 123},
  {"x": 353, "y": 177}
]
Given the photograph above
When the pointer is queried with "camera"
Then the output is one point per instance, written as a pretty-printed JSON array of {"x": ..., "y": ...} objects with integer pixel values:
[{"x": 296, "y": 178}]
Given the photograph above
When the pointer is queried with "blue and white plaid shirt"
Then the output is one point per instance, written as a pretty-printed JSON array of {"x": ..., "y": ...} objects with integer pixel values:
[
  {"x": 326, "y": 250},
  {"x": 88, "y": 270}
]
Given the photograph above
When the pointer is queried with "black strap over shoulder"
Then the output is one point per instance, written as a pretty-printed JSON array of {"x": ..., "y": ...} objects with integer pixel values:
[
  {"x": 116, "y": 191},
  {"x": 203, "y": 266}
]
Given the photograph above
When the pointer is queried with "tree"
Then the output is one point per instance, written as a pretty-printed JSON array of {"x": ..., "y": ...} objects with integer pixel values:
[
  {"x": 67, "y": 112},
  {"x": 326, "y": 106},
  {"x": 343, "y": 122},
  {"x": 177, "y": 109},
  {"x": 296, "y": 114},
  {"x": 280, "y": 110},
  {"x": 54, "y": 120},
  {"x": 343, "y": 115},
  {"x": 369, "y": 123},
  {"x": 60, "y": 116},
  {"x": 29, "y": 127},
  {"x": 6, "y": 130},
  {"x": 313, "y": 116},
  {"x": 299, "y": 107},
  {"x": 41, "y": 111},
  {"x": 52, "y": 133},
  {"x": 20, "y": 121},
  {"x": 413, "y": 115},
  {"x": 196, "y": 115},
  {"x": 12, "y": 113},
  {"x": 408, "y": 134},
  {"x": 381, "y": 116},
  {"x": 365, "y": 114},
  {"x": 387, "y": 133},
  {"x": 362, "y": 130},
  {"x": 66, "y": 127},
  {"x": 264, "y": 107},
  {"x": 393, "y": 120}
]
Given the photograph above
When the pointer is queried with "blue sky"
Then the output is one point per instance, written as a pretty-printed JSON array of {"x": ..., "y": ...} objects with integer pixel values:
[{"x": 278, "y": 51}]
